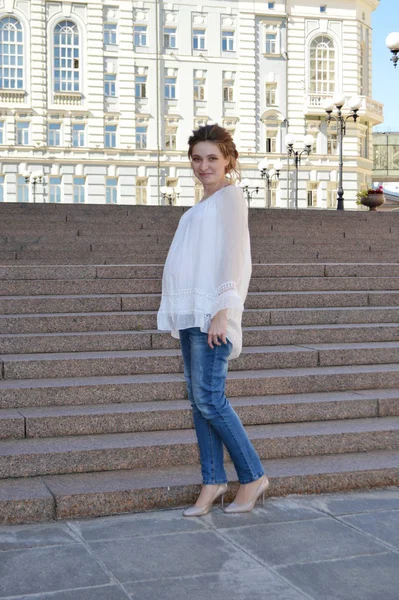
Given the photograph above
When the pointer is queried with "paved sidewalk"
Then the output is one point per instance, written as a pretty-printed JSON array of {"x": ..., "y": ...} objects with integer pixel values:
[{"x": 329, "y": 547}]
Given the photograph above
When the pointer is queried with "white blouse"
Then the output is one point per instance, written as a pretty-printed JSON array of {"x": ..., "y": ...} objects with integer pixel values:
[{"x": 208, "y": 267}]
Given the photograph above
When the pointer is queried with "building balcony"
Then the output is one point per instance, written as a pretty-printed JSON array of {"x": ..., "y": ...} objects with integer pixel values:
[
  {"x": 12, "y": 96},
  {"x": 68, "y": 98},
  {"x": 370, "y": 109}
]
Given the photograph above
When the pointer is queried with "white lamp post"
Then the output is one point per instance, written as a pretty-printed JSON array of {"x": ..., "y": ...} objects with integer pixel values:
[
  {"x": 244, "y": 184},
  {"x": 392, "y": 43},
  {"x": 339, "y": 101},
  {"x": 289, "y": 142},
  {"x": 268, "y": 175}
]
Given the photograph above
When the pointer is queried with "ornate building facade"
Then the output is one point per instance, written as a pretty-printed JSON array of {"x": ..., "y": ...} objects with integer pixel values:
[{"x": 97, "y": 99}]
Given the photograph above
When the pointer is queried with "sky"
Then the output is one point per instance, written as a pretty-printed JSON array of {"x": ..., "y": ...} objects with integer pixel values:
[{"x": 385, "y": 77}]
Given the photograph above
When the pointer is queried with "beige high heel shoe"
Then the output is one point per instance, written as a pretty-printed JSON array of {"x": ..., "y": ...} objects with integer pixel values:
[
  {"x": 248, "y": 506},
  {"x": 199, "y": 511}
]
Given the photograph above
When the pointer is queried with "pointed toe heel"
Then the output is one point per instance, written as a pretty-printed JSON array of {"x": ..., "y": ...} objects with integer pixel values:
[
  {"x": 200, "y": 511},
  {"x": 241, "y": 508}
]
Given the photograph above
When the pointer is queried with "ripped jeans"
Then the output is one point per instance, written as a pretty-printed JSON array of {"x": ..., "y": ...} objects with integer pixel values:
[{"x": 215, "y": 421}]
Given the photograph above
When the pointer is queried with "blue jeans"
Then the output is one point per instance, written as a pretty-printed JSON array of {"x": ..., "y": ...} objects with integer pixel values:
[{"x": 215, "y": 421}]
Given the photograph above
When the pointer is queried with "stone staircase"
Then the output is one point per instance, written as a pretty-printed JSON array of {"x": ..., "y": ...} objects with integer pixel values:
[{"x": 94, "y": 417}]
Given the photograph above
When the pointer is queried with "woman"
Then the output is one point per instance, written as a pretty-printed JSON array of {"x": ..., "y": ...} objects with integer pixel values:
[{"x": 204, "y": 286}]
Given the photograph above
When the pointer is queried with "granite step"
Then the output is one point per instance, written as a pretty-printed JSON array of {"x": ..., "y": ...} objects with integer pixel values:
[
  {"x": 43, "y": 287},
  {"x": 151, "y": 301},
  {"x": 57, "y": 421},
  {"x": 144, "y": 450},
  {"x": 144, "y": 320},
  {"x": 172, "y": 386},
  {"x": 135, "y": 362},
  {"x": 132, "y": 271},
  {"x": 271, "y": 335},
  {"x": 80, "y": 495}
]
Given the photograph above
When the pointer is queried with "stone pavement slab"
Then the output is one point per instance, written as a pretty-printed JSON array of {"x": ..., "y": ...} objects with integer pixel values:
[
  {"x": 44, "y": 534},
  {"x": 255, "y": 584},
  {"x": 107, "y": 592},
  {"x": 302, "y": 541},
  {"x": 356, "y": 578},
  {"x": 357, "y": 502},
  {"x": 129, "y": 526},
  {"x": 383, "y": 525},
  {"x": 171, "y": 555},
  {"x": 39, "y": 570},
  {"x": 340, "y": 546}
]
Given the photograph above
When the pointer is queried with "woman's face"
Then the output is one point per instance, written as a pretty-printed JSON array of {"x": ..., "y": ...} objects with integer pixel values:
[{"x": 208, "y": 163}]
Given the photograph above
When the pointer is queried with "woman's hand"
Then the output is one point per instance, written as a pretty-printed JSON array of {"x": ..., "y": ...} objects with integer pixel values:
[{"x": 218, "y": 329}]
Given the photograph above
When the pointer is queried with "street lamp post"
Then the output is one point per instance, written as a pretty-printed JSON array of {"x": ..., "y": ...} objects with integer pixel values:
[
  {"x": 289, "y": 142},
  {"x": 268, "y": 175},
  {"x": 338, "y": 102},
  {"x": 244, "y": 184},
  {"x": 392, "y": 43},
  {"x": 170, "y": 193},
  {"x": 34, "y": 178}
]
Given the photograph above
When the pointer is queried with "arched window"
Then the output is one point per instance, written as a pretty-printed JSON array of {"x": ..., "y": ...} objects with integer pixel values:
[
  {"x": 11, "y": 55},
  {"x": 322, "y": 66},
  {"x": 66, "y": 57}
]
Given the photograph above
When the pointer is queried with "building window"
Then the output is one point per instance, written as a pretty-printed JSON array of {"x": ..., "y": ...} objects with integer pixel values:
[
  {"x": 54, "y": 134},
  {"x": 66, "y": 57},
  {"x": 110, "y": 85},
  {"x": 78, "y": 135},
  {"x": 22, "y": 189},
  {"x": 1, "y": 188},
  {"x": 332, "y": 140},
  {"x": 312, "y": 193},
  {"x": 199, "y": 39},
  {"x": 110, "y": 34},
  {"x": 199, "y": 89},
  {"x": 362, "y": 61},
  {"x": 141, "y": 86},
  {"x": 228, "y": 41},
  {"x": 79, "y": 189},
  {"x": 271, "y": 43},
  {"x": 111, "y": 190},
  {"x": 273, "y": 192},
  {"x": 11, "y": 54},
  {"x": 55, "y": 189},
  {"x": 323, "y": 8},
  {"x": 272, "y": 130},
  {"x": 170, "y": 138},
  {"x": 363, "y": 142},
  {"x": 141, "y": 191},
  {"x": 271, "y": 141},
  {"x": 110, "y": 136},
  {"x": 198, "y": 192},
  {"x": 2, "y": 136},
  {"x": 22, "y": 133},
  {"x": 228, "y": 90},
  {"x": 331, "y": 195},
  {"x": 322, "y": 66},
  {"x": 169, "y": 37},
  {"x": 141, "y": 137},
  {"x": 140, "y": 35},
  {"x": 270, "y": 5},
  {"x": 271, "y": 94},
  {"x": 170, "y": 87}
]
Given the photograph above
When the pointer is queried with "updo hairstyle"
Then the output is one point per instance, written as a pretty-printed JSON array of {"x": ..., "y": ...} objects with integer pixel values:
[{"x": 220, "y": 136}]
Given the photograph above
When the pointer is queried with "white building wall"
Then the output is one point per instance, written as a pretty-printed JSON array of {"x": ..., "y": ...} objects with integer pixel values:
[{"x": 298, "y": 22}]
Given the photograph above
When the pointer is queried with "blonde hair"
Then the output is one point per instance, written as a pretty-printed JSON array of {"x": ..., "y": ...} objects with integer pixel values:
[{"x": 223, "y": 139}]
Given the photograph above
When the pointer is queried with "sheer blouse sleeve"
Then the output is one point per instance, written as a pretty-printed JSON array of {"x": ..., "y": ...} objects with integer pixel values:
[{"x": 233, "y": 263}]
